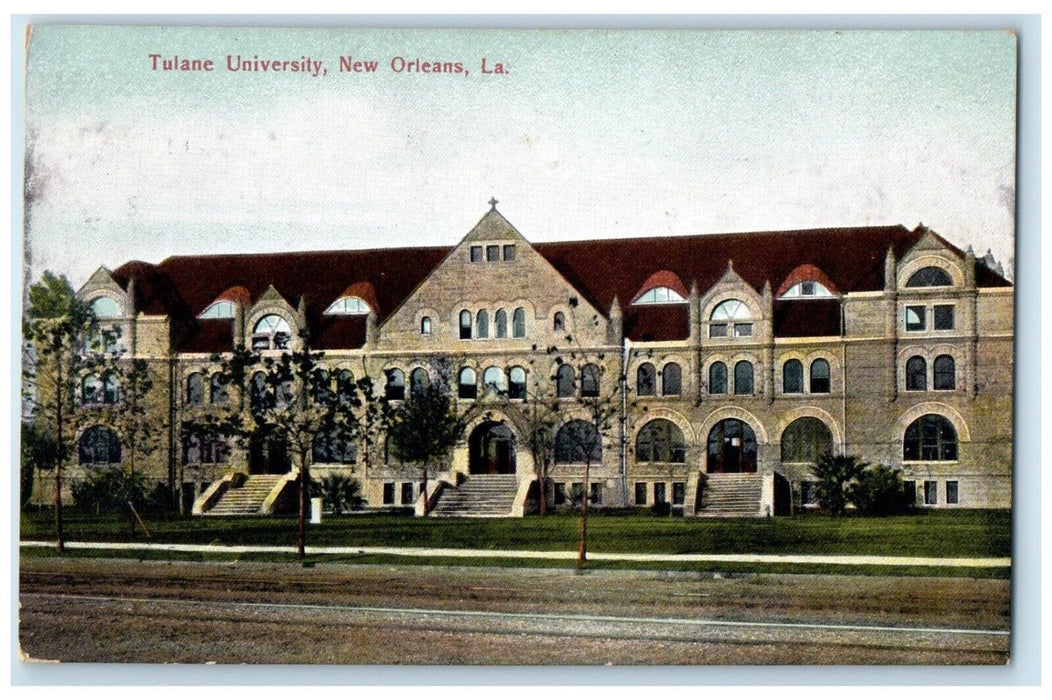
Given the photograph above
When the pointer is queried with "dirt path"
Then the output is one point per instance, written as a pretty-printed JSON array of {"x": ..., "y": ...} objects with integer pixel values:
[{"x": 107, "y": 610}]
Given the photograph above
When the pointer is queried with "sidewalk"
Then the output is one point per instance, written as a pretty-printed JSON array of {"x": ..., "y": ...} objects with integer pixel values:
[{"x": 835, "y": 559}]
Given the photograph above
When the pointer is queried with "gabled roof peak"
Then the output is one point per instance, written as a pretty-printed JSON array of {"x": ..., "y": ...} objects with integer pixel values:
[{"x": 493, "y": 227}]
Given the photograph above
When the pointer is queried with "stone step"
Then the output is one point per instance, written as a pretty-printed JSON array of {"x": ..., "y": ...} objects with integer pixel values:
[
  {"x": 478, "y": 496},
  {"x": 732, "y": 495},
  {"x": 248, "y": 498}
]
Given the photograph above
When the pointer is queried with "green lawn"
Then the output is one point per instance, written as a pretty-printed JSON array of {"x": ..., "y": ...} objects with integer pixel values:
[{"x": 957, "y": 533}]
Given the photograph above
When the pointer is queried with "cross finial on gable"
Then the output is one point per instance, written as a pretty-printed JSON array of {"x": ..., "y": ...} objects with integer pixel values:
[{"x": 493, "y": 201}]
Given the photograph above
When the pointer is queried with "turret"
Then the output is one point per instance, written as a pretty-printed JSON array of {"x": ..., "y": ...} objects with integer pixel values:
[{"x": 615, "y": 331}]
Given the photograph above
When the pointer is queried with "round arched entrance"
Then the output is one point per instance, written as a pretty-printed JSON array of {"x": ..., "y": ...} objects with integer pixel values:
[
  {"x": 491, "y": 449},
  {"x": 731, "y": 447}
]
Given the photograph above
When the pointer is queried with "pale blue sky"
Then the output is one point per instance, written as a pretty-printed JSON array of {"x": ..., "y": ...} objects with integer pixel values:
[{"x": 591, "y": 134}]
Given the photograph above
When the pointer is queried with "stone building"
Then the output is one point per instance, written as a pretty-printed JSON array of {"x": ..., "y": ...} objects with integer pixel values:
[{"x": 734, "y": 361}]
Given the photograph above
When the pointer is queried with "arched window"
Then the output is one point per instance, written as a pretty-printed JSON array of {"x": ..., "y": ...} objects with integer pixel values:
[
  {"x": 518, "y": 322},
  {"x": 646, "y": 380},
  {"x": 348, "y": 306},
  {"x": 467, "y": 384},
  {"x": 418, "y": 382},
  {"x": 731, "y": 447},
  {"x": 805, "y": 440},
  {"x": 807, "y": 289},
  {"x": 564, "y": 381},
  {"x": 743, "y": 384},
  {"x": 104, "y": 307},
  {"x": 661, "y": 440},
  {"x": 482, "y": 324},
  {"x": 717, "y": 378},
  {"x": 660, "y": 295},
  {"x": 929, "y": 277},
  {"x": 820, "y": 377},
  {"x": 219, "y": 309},
  {"x": 90, "y": 390},
  {"x": 259, "y": 392},
  {"x": 590, "y": 381},
  {"x": 730, "y": 314},
  {"x": 395, "y": 388},
  {"x": 465, "y": 325},
  {"x": 425, "y": 325},
  {"x": 195, "y": 389},
  {"x": 285, "y": 394},
  {"x": 671, "y": 379},
  {"x": 99, "y": 445},
  {"x": 516, "y": 383},
  {"x": 559, "y": 322},
  {"x": 345, "y": 386},
  {"x": 792, "y": 377},
  {"x": 930, "y": 438},
  {"x": 578, "y": 442},
  {"x": 501, "y": 323},
  {"x": 944, "y": 373},
  {"x": 916, "y": 374},
  {"x": 320, "y": 387},
  {"x": 330, "y": 448},
  {"x": 271, "y": 332},
  {"x": 494, "y": 377},
  {"x": 219, "y": 394}
]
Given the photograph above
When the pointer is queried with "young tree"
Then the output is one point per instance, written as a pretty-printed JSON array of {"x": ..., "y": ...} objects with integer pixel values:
[
  {"x": 130, "y": 416},
  {"x": 834, "y": 474},
  {"x": 542, "y": 418},
  {"x": 62, "y": 342},
  {"x": 426, "y": 428}
]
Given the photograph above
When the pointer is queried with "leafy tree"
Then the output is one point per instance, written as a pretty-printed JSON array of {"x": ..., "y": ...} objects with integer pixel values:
[
  {"x": 600, "y": 411},
  {"x": 38, "y": 451},
  {"x": 426, "y": 428},
  {"x": 542, "y": 418},
  {"x": 62, "y": 343},
  {"x": 288, "y": 396},
  {"x": 879, "y": 490},
  {"x": 834, "y": 474}
]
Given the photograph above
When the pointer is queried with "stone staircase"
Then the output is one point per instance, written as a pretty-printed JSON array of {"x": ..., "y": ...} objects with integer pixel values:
[
  {"x": 732, "y": 496},
  {"x": 248, "y": 498},
  {"x": 478, "y": 496}
]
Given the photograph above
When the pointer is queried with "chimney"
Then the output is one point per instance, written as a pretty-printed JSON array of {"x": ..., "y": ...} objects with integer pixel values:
[
  {"x": 615, "y": 331},
  {"x": 889, "y": 270}
]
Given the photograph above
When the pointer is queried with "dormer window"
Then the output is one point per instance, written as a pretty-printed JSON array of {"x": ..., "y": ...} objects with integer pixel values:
[
  {"x": 730, "y": 318},
  {"x": 930, "y": 276},
  {"x": 660, "y": 295},
  {"x": 220, "y": 309},
  {"x": 104, "y": 307},
  {"x": 807, "y": 289},
  {"x": 271, "y": 333},
  {"x": 348, "y": 306}
]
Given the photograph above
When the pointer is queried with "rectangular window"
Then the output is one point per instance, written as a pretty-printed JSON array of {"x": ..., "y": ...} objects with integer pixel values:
[
  {"x": 717, "y": 330},
  {"x": 931, "y": 493},
  {"x": 476, "y": 253},
  {"x": 407, "y": 493},
  {"x": 915, "y": 320},
  {"x": 560, "y": 493},
  {"x": 493, "y": 253},
  {"x": 388, "y": 493},
  {"x": 509, "y": 253},
  {"x": 679, "y": 493},
  {"x": 910, "y": 487},
  {"x": 659, "y": 492},
  {"x": 576, "y": 492},
  {"x": 951, "y": 493},
  {"x": 595, "y": 496},
  {"x": 809, "y": 493},
  {"x": 742, "y": 330},
  {"x": 942, "y": 317},
  {"x": 641, "y": 493}
]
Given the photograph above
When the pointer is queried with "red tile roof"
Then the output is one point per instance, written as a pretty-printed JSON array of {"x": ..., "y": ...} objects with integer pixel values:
[{"x": 852, "y": 258}]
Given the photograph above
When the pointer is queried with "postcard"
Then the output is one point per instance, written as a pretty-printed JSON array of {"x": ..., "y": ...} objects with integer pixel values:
[{"x": 517, "y": 347}]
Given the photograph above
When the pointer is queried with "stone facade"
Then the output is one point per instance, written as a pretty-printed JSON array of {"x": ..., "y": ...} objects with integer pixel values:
[{"x": 880, "y": 357}]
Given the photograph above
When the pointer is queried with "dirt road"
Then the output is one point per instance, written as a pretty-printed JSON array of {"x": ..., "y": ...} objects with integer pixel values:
[{"x": 109, "y": 610}]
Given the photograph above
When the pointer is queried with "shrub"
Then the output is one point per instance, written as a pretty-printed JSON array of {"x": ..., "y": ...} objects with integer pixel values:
[
  {"x": 341, "y": 493},
  {"x": 879, "y": 491},
  {"x": 108, "y": 491},
  {"x": 833, "y": 474},
  {"x": 663, "y": 508}
]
